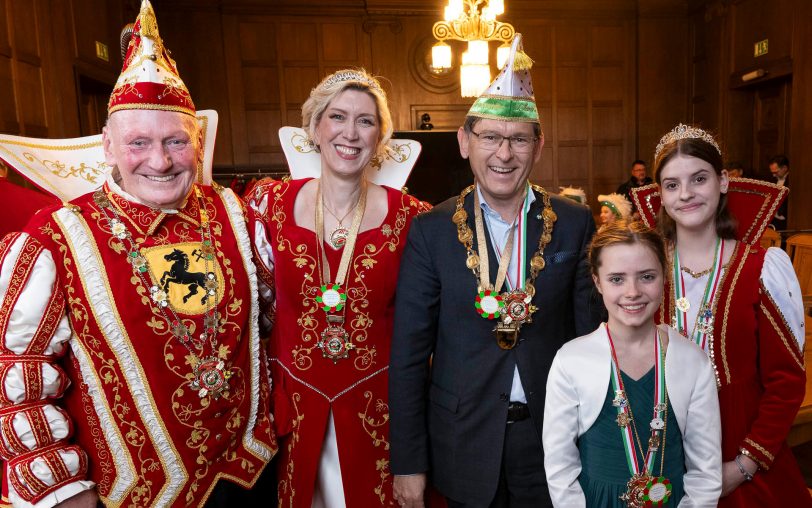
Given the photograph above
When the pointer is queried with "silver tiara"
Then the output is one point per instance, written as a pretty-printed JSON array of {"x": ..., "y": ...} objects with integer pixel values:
[
  {"x": 343, "y": 76},
  {"x": 683, "y": 131}
]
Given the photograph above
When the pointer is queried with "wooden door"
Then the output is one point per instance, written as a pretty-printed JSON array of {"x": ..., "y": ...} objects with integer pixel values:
[{"x": 771, "y": 116}]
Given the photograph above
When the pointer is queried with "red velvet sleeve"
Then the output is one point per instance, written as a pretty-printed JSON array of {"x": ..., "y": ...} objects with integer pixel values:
[{"x": 781, "y": 368}]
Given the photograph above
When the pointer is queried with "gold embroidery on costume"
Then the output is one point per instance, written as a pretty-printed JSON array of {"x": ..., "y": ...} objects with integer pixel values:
[
  {"x": 792, "y": 345},
  {"x": 398, "y": 152},
  {"x": 127, "y": 86},
  {"x": 373, "y": 419},
  {"x": 723, "y": 333},
  {"x": 286, "y": 484},
  {"x": 781, "y": 335},
  {"x": 58, "y": 169},
  {"x": 107, "y": 368},
  {"x": 16, "y": 283},
  {"x": 761, "y": 464},
  {"x": 760, "y": 448}
]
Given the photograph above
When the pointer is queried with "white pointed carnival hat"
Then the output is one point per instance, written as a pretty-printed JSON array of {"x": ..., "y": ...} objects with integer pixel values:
[
  {"x": 149, "y": 78},
  {"x": 510, "y": 96},
  {"x": 391, "y": 169}
]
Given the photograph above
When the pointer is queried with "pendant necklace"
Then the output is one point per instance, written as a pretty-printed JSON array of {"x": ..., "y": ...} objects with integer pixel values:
[
  {"x": 338, "y": 237},
  {"x": 703, "y": 326},
  {"x": 335, "y": 342},
  {"x": 512, "y": 308},
  {"x": 209, "y": 373},
  {"x": 643, "y": 489}
]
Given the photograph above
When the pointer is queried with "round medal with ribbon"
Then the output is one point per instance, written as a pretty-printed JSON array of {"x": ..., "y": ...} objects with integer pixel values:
[
  {"x": 657, "y": 491},
  {"x": 489, "y": 304},
  {"x": 332, "y": 297}
]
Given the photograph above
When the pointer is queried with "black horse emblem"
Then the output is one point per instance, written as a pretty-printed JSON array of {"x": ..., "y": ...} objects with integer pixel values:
[{"x": 178, "y": 274}]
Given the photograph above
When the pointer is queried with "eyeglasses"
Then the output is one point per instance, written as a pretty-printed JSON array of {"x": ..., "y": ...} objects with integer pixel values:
[{"x": 519, "y": 144}]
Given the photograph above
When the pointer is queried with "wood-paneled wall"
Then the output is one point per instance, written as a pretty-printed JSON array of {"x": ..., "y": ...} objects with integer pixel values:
[
  {"x": 584, "y": 77},
  {"x": 611, "y": 76},
  {"x": 45, "y": 47}
]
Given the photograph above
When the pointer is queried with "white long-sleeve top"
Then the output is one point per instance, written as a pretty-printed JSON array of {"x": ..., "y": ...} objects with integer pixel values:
[{"x": 576, "y": 391}]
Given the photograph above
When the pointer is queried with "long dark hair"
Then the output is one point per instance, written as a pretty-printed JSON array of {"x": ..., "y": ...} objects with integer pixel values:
[{"x": 701, "y": 149}]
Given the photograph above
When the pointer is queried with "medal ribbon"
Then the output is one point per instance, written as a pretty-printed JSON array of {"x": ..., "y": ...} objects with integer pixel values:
[
  {"x": 700, "y": 333},
  {"x": 484, "y": 266},
  {"x": 659, "y": 406},
  {"x": 349, "y": 246},
  {"x": 521, "y": 259}
]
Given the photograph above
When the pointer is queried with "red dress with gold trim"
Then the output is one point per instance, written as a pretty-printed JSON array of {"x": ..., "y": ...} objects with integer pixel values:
[
  {"x": 306, "y": 385},
  {"x": 94, "y": 383},
  {"x": 761, "y": 380}
]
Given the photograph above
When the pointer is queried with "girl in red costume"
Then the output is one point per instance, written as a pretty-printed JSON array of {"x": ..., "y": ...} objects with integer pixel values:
[{"x": 741, "y": 304}]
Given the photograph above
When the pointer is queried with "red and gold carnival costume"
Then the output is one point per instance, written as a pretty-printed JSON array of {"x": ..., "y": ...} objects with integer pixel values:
[
  {"x": 130, "y": 355},
  {"x": 96, "y": 386},
  {"x": 754, "y": 348},
  {"x": 307, "y": 387}
]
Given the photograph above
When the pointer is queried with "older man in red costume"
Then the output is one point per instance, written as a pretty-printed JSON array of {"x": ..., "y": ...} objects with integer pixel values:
[{"x": 130, "y": 362}]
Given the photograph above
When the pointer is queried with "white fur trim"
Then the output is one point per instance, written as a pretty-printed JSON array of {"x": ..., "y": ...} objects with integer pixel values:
[{"x": 237, "y": 219}]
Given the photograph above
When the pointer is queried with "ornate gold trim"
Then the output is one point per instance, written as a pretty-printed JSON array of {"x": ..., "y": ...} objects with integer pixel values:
[
  {"x": 760, "y": 448},
  {"x": 791, "y": 350},
  {"x": 125, "y": 472},
  {"x": 761, "y": 464},
  {"x": 236, "y": 218},
  {"x": 728, "y": 300},
  {"x": 117, "y": 337}
]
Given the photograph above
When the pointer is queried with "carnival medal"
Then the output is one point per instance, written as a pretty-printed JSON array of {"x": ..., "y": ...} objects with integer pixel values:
[
  {"x": 642, "y": 489},
  {"x": 489, "y": 304},
  {"x": 332, "y": 297},
  {"x": 335, "y": 342},
  {"x": 512, "y": 308},
  {"x": 338, "y": 238},
  {"x": 210, "y": 377},
  {"x": 657, "y": 491},
  {"x": 635, "y": 490},
  {"x": 703, "y": 326}
]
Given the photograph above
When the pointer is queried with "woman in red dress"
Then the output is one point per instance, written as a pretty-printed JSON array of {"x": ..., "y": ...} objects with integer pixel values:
[
  {"x": 741, "y": 304},
  {"x": 332, "y": 257}
]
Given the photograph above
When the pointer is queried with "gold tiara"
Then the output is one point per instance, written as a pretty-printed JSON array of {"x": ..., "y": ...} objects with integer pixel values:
[
  {"x": 344, "y": 76},
  {"x": 683, "y": 131}
]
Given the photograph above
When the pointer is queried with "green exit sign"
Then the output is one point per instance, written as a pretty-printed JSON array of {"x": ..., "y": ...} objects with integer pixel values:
[{"x": 762, "y": 47}]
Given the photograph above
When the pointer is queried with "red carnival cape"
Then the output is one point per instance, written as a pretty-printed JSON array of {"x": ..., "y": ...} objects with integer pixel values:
[{"x": 752, "y": 202}]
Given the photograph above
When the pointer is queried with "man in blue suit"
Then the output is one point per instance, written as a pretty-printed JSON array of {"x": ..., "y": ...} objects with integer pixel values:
[{"x": 492, "y": 283}]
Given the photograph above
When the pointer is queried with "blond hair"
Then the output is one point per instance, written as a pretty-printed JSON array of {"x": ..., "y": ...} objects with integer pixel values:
[{"x": 347, "y": 79}]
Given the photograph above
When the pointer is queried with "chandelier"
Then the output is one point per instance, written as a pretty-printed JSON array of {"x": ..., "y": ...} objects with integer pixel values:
[{"x": 474, "y": 22}]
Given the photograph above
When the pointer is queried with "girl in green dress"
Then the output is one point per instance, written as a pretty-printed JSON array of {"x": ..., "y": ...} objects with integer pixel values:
[{"x": 631, "y": 415}]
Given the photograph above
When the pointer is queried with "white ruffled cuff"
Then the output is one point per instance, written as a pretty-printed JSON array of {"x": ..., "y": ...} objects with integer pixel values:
[{"x": 54, "y": 498}]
